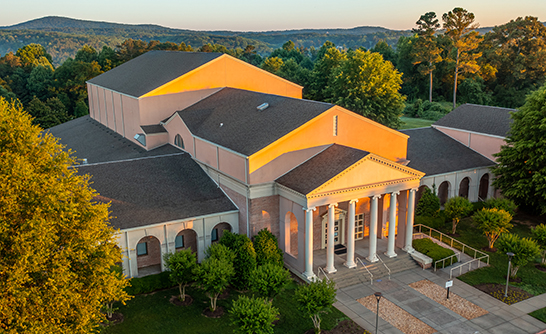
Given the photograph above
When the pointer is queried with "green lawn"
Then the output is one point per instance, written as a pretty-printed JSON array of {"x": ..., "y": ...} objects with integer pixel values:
[
  {"x": 153, "y": 313},
  {"x": 411, "y": 123},
  {"x": 539, "y": 314}
]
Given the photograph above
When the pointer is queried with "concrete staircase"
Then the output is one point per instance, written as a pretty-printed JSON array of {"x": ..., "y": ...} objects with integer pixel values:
[{"x": 349, "y": 277}]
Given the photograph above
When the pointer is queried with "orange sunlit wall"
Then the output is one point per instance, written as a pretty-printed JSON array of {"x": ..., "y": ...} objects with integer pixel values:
[{"x": 352, "y": 130}]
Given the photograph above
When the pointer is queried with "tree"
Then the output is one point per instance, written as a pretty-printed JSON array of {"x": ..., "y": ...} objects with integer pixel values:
[
  {"x": 459, "y": 27},
  {"x": 267, "y": 249},
  {"x": 328, "y": 60},
  {"x": 316, "y": 298},
  {"x": 253, "y": 315},
  {"x": 429, "y": 203},
  {"x": 34, "y": 55},
  {"x": 245, "y": 257},
  {"x": 56, "y": 247},
  {"x": 181, "y": 266},
  {"x": 214, "y": 275},
  {"x": 493, "y": 223},
  {"x": 272, "y": 64},
  {"x": 524, "y": 249},
  {"x": 268, "y": 280},
  {"x": 539, "y": 234},
  {"x": 457, "y": 208},
  {"x": 368, "y": 85},
  {"x": 521, "y": 170},
  {"x": 501, "y": 203},
  {"x": 426, "y": 50}
]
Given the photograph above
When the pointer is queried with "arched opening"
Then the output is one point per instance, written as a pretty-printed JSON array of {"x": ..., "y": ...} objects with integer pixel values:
[
  {"x": 218, "y": 231},
  {"x": 148, "y": 251},
  {"x": 484, "y": 187},
  {"x": 186, "y": 239},
  {"x": 419, "y": 193},
  {"x": 291, "y": 222},
  {"x": 463, "y": 187},
  {"x": 178, "y": 141},
  {"x": 443, "y": 192}
]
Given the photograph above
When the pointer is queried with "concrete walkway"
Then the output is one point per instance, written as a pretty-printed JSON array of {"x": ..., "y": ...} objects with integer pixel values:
[{"x": 501, "y": 319}]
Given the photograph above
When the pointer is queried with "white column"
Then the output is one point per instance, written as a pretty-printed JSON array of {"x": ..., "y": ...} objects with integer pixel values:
[
  {"x": 409, "y": 227},
  {"x": 372, "y": 254},
  {"x": 392, "y": 226},
  {"x": 309, "y": 274},
  {"x": 351, "y": 236},
  {"x": 330, "y": 242}
]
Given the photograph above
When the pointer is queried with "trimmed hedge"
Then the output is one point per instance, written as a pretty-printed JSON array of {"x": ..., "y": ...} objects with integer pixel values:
[
  {"x": 431, "y": 249},
  {"x": 149, "y": 283}
]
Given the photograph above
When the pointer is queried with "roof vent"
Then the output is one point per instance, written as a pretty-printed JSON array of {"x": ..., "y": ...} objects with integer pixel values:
[
  {"x": 84, "y": 161},
  {"x": 263, "y": 106}
]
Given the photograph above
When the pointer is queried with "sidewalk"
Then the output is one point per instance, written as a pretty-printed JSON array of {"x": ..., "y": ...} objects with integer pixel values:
[{"x": 501, "y": 319}]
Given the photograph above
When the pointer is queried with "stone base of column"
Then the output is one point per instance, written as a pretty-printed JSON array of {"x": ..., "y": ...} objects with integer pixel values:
[
  {"x": 350, "y": 265},
  {"x": 311, "y": 277},
  {"x": 390, "y": 256},
  {"x": 408, "y": 249},
  {"x": 373, "y": 258},
  {"x": 331, "y": 270}
]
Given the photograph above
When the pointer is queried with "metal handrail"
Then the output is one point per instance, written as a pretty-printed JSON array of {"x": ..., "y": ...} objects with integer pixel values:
[
  {"x": 379, "y": 257},
  {"x": 323, "y": 272},
  {"x": 445, "y": 258},
  {"x": 364, "y": 265},
  {"x": 460, "y": 267}
]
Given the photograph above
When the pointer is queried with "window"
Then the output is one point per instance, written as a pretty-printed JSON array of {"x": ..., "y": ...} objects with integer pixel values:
[
  {"x": 178, "y": 141},
  {"x": 359, "y": 226},
  {"x": 142, "y": 249},
  {"x": 335, "y": 125},
  {"x": 214, "y": 235},
  {"x": 179, "y": 241}
]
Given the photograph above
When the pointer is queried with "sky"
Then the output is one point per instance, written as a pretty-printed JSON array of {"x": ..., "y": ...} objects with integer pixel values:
[{"x": 256, "y": 15}]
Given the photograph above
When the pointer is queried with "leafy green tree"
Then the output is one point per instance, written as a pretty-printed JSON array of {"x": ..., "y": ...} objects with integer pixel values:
[
  {"x": 328, "y": 60},
  {"x": 539, "y": 234},
  {"x": 253, "y": 315},
  {"x": 524, "y": 249},
  {"x": 220, "y": 252},
  {"x": 181, "y": 266},
  {"x": 272, "y": 64},
  {"x": 521, "y": 170},
  {"x": 501, "y": 203},
  {"x": 111, "y": 291},
  {"x": 429, "y": 203},
  {"x": 268, "y": 280},
  {"x": 245, "y": 257},
  {"x": 493, "y": 222},
  {"x": 214, "y": 275},
  {"x": 87, "y": 54},
  {"x": 459, "y": 27},
  {"x": 316, "y": 298},
  {"x": 40, "y": 82},
  {"x": 34, "y": 55},
  {"x": 56, "y": 247},
  {"x": 267, "y": 249},
  {"x": 457, "y": 208},
  {"x": 48, "y": 114},
  {"x": 384, "y": 49},
  {"x": 368, "y": 85}
]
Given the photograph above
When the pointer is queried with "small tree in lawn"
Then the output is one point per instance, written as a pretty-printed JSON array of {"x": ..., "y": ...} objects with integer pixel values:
[
  {"x": 112, "y": 291},
  {"x": 214, "y": 275},
  {"x": 316, "y": 298},
  {"x": 493, "y": 223},
  {"x": 457, "y": 208},
  {"x": 268, "y": 280},
  {"x": 253, "y": 315},
  {"x": 245, "y": 257},
  {"x": 267, "y": 248},
  {"x": 181, "y": 266},
  {"x": 539, "y": 234},
  {"x": 524, "y": 249}
]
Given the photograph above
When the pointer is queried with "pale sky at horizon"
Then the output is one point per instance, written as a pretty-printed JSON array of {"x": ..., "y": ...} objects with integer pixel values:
[{"x": 252, "y": 15}]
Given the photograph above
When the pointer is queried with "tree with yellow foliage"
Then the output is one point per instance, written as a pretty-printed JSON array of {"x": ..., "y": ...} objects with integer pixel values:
[{"x": 57, "y": 250}]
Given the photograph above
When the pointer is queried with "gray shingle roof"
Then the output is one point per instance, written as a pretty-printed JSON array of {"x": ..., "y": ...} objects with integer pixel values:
[
  {"x": 483, "y": 119},
  {"x": 231, "y": 119},
  {"x": 151, "y": 70},
  {"x": 322, "y": 167},
  {"x": 151, "y": 129},
  {"x": 155, "y": 190},
  {"x": 432, "y": 152},
  {"x": 97, "y": 143}
]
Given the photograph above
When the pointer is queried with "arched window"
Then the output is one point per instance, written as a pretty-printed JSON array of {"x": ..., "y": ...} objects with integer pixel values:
[
  {"x": 178, "y": 141},
  {"x": 463, "y": 187}
]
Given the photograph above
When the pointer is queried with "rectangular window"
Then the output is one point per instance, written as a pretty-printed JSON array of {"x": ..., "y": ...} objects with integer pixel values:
[
  {"x": 214, "y": 235},
  {"x": 359, "y": 226},
  {"x": 179, "y": 241},
  {"x": 142, "y": 249},
  {"x": 335, "y": 125}
]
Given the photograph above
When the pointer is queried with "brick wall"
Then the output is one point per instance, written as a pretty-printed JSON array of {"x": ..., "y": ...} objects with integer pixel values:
[
  {"x": 264, "y": 213},
  {"x": 154, "y": 253},
  {"x": 190, "y": 240}
]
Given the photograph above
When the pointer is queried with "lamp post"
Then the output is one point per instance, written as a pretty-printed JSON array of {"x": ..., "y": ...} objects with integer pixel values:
[
  {"x": 378, "y": 296},
  {"x": 510, "y": 255}
]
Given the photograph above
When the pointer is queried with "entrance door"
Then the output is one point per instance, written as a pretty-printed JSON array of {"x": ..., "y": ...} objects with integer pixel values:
[
  {"x": 337, "y": 232},
  {"x": 339, "y": 228}
]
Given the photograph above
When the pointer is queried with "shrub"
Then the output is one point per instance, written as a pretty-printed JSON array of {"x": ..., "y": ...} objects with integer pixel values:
[
  {"x": 524, "y": 249},
  {"x": 245, "y": 257},
  {"x": 539, "y": 234},
  {"x": 214, "y": 275},
  {"x": 181, "y": 266},
  {"x": 267, "y": 248},
  {"x": 316, "y": 298},
  {"x": 429, "y": 204},
  {"x": 493, "y": 222},
  {"x": 431, "y": 249},
  {"x": 253, "y": 315},
  {"x": 268, "y": 280},
  {"x": 457, "y": 208},
  {"x": 427, "y": 110},
  {"x": 501, "y": 204},
  {"x": 434, "y": 222},
  {"x": 220, "y": 251},
  {"x": 149, "y": 283}
]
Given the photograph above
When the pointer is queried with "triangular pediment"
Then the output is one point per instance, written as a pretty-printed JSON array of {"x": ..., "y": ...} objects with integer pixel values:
[{"x": 369, "y": 171}]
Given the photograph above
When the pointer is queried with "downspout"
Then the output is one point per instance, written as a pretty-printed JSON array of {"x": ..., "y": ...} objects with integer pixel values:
[{"x": 128, "y": 254}]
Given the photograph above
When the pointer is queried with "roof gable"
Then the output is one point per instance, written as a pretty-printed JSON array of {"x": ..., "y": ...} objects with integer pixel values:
[{"x": 151, "y": 70}]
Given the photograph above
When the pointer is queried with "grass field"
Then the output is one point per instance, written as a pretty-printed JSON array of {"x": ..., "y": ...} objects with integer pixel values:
[
  {"x": 153, "y": 313},
  {"x": 539, "y": 314},
  {"x": 411, "y": 123}
]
